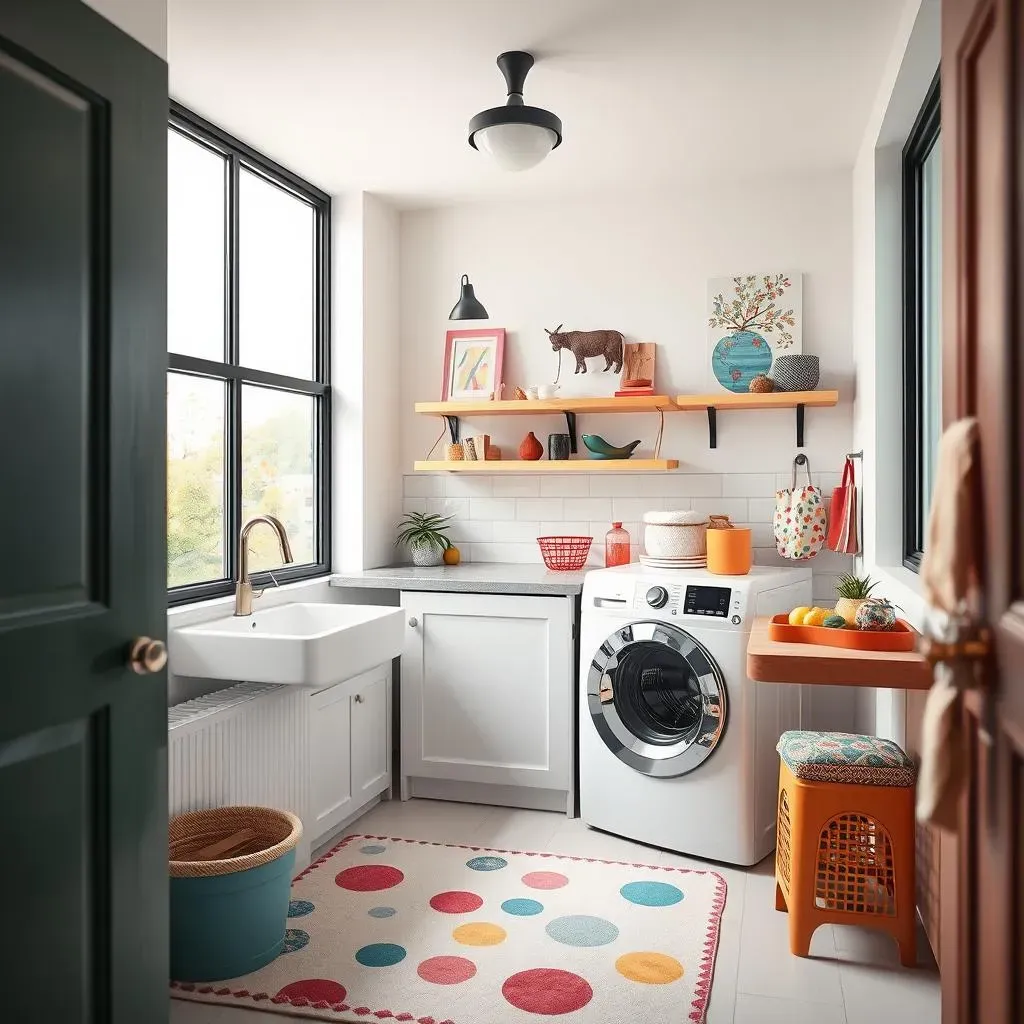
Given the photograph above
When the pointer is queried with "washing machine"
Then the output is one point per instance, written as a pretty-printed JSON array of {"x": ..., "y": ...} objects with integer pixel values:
[{"x": 676, "y": 744}]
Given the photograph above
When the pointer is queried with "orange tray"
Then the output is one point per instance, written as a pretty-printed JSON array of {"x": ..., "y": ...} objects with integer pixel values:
[{"x": 902, "y": 637}]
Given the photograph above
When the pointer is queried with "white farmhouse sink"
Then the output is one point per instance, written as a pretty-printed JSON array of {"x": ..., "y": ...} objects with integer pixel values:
[{"x": 300, "y": 644}]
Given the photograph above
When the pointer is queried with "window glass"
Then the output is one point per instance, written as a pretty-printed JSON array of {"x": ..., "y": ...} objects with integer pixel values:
[
  {"x": 196, "y": 187},
  {"x": 931, "y": 321},
  {"x": 276, "y": 278},
  {"x": 278, "y": 472},
  {"x": 195, "y": 480}
]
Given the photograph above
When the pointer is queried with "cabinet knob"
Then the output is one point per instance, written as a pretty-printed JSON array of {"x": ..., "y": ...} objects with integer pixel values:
[
  {"x": 414, "y": 622},
  {"x": 147, "y": 656},
  {"x": 359, "y": 698}
]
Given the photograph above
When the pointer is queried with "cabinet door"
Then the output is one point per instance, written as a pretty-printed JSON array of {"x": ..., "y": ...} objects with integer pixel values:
[
  {"x": 371, "y": 739},
  {"x": 330, "y": 788},
  {"x": 487, "y": 689}
]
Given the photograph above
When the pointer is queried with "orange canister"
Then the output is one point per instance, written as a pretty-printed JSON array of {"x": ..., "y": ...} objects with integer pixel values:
[{"x": 729, "y": 551}]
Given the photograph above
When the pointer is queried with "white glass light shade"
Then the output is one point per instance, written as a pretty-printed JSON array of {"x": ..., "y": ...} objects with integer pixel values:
[{"x": 515, "y": 147}]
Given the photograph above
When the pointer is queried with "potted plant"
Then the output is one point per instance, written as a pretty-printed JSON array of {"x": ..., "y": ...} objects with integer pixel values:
[
  {"x": 424, "y": 534},
  {"x": 852, "y": 592}
]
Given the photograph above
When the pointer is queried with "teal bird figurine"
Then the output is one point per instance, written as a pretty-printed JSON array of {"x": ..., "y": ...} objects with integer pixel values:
[{"x": 600, "y": 449}]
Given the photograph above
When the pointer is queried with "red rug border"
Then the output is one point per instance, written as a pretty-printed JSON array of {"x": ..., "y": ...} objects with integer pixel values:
[{"x": 698, "y": 1008}]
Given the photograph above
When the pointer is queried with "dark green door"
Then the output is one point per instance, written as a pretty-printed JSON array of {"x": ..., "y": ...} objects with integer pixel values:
[{"x": 83, "y": 738}]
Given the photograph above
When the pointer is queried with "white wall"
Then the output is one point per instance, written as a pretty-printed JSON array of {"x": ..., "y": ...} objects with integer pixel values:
[
  {"x": 144, "y": 20},
  {"x": 878, "y": 324},
  {"x": 367, "y": 488}
]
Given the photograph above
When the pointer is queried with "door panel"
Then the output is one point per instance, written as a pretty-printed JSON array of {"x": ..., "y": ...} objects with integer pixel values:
[
  {"x": 83, "y": 778},
  {"x": 371, "y": 749},
  {"x": 487, "y": 689},
  {"x": 330, "y": 758},
  {"x": 983, "y": 305}
]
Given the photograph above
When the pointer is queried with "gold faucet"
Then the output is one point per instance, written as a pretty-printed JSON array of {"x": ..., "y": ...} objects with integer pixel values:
[{"x": 244, "y": 594}]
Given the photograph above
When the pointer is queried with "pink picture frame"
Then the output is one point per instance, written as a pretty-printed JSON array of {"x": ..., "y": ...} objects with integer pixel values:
[{"x": 473, "y": 361}]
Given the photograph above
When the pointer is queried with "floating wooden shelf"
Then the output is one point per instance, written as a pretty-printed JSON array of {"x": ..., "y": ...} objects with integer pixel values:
[
  {"x": 646, "y": 403},
  {"x": 769, "y": 661},
  {"x": 550, "y": 466},
  {"x": 798, "y": 400}
]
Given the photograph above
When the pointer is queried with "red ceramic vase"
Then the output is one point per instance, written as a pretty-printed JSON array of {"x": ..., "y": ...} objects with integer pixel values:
[{"x": 530, "y": 449}]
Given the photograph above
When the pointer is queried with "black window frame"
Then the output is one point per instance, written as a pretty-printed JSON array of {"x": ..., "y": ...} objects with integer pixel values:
[
  {"x": 238, "y": 155},
  {"x": 919, "y": 145}
]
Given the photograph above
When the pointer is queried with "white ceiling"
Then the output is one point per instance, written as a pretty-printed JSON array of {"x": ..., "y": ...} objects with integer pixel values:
[{"x": 376, "y": 94}]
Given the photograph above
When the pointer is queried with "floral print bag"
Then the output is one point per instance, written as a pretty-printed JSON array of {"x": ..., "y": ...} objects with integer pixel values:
[{"x": 799, "y": 517}]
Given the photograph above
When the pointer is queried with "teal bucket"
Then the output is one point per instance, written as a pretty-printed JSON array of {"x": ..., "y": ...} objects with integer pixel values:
[{"x": 228, "y": 917}]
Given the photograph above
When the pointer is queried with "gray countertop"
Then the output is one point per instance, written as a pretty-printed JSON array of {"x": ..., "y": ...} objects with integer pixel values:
[{"x": 468, "y": 578}]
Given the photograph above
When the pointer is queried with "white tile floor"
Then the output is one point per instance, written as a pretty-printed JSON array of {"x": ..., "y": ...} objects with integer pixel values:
[{"x": 853, "y": 976}]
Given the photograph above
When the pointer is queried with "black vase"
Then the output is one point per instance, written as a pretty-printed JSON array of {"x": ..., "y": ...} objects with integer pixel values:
[{"x": 558, "y": 447}]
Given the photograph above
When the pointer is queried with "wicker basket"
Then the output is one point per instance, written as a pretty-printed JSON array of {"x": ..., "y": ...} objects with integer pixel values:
[
  {"x": 274, "y": 834},
  {"x": 675, "y": 534},
  {"x": 565, "y": 554}
]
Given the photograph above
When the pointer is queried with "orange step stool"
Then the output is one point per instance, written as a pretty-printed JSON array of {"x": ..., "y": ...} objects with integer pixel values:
[{"x": 845, "y": 837}]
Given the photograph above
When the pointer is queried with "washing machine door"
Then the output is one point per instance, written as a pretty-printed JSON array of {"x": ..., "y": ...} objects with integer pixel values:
[{"x": 657, "y": 698}]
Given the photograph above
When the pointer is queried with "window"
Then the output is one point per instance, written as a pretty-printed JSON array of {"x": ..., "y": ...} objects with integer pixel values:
[
  {"x": 922, "y": 335},
  {"x": 248, "y": 386}
]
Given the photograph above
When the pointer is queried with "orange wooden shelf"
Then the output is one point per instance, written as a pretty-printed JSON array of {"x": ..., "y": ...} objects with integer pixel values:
[
  {"x": 549, "y": 466},
  {"x": 769, "y": 661},
  {"x": 771, "y": 400},
  {"x": 519, "y": 407}
]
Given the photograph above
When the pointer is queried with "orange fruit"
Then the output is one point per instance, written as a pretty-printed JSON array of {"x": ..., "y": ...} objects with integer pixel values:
[{"x": 452, "y": 556}]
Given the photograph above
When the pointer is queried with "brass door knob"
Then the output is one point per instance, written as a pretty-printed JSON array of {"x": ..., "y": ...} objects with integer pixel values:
[{"x": 147, "y": 656}]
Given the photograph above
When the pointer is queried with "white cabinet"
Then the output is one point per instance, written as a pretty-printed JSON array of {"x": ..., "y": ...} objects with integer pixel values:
[
  {"x": 487, "y": 690},
  {"x": 349, "y": 747}
]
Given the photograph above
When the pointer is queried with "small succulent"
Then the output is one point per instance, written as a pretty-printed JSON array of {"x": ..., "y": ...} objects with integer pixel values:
[
  {"x": 854, "y": 588},
  {"x": 424, "y": 529}
]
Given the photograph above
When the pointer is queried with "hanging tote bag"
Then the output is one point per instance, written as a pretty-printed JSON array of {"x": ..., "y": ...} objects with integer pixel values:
[
  {"x": 799, "y": 517},
  {"x": 842, "y": 520}
]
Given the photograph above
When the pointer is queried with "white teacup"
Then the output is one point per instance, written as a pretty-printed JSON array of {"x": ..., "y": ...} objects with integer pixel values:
[{"x": 545, "y": 390}]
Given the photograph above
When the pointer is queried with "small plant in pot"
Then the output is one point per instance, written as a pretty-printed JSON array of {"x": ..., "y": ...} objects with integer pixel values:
[
  {"x": 852, "y": 592},
  {"x": 423, "y": 533}
]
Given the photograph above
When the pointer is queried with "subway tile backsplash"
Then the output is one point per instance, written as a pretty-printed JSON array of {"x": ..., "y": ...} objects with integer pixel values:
[{"x": 498, "y": 518}]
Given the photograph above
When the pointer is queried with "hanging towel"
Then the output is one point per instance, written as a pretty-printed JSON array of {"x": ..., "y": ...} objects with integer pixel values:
[
  {"x": 951, "y": 585},
  {"x": 842, "y": 517}
]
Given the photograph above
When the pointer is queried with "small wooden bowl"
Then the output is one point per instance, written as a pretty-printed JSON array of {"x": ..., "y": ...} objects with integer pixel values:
[{"x": 637, "y": 382}]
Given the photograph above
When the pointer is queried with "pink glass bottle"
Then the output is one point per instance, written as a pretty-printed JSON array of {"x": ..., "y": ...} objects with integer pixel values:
[{"x": 616, "y": 546}]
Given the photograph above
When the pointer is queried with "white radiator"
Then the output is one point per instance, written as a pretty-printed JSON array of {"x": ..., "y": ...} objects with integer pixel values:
[{"x": 246, "y": 744}]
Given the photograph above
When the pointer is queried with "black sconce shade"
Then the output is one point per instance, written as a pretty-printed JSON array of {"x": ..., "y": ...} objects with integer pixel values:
[{"x": 468, "y": 307}]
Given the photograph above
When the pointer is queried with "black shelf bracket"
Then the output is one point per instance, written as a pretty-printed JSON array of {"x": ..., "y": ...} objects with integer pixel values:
[
  {"x": 570, "y": 426},
  {"x": 453, "y": 427},
  {"x": 800, "y": 426},
  {"x": 712, "y": 427}
]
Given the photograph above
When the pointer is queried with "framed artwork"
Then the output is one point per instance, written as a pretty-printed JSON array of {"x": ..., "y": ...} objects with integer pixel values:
[
  {"x": 472, "y": 364},
  {"x": 751, "y": 319}
]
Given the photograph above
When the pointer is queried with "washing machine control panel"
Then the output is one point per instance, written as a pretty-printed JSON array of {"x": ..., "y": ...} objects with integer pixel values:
[{"x": 714, "y": 601}]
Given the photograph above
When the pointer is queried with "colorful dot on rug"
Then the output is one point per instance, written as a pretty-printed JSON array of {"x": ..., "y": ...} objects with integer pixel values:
[
  {"x": 373, "y": 848},
  {"x": 582, "y": 930},
  {"x": 479, "y": 933},
  {"x": 456, "y": 902},
  {"x": 522, "y": 908},
  {"x": 544, "y": 880},
  {"x": 382, "y": 912},
  {"x": 294, "y": 938},
  {"x": 547, "y": 991},
  {"x": 369, "y": 877},
  {"x": 381, "y": 954},
  {"x": 314, "y": 989},
  {"x": 651, "y": 894},
  {"x": 300, "y": 908},
  {"x": 487, "y": 863},
  {"x": 649, "y": 968},
  {"x": 446, "y": 970}
]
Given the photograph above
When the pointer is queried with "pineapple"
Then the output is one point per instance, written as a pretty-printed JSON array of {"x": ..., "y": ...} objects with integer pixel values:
[{"x": 852, "y": 592}]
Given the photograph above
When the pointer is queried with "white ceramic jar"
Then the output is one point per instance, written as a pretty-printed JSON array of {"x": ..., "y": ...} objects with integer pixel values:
[{"x": 675, "y": 534}]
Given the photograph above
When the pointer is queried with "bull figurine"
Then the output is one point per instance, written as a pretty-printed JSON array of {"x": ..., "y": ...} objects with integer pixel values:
[{"x": 588, "y": 344}]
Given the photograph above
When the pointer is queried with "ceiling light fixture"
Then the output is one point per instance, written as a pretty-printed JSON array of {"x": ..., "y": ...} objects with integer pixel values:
[
  {"x": 469, "y": 307},
  {"x": 515, "y": 135}
]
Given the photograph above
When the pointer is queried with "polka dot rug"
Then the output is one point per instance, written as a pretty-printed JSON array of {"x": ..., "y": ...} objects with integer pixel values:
[{"x": 384, "y": 929}]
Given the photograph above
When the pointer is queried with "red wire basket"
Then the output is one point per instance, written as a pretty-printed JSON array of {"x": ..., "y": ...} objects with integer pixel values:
[{"x": 565, "y": 554}]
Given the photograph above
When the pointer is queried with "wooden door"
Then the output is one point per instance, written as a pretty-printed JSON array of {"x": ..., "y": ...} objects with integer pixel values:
[
  {"x": 983, "y": 371},
  {"x": 487, "y": 689},
  {"x": 83, "y": 738}
]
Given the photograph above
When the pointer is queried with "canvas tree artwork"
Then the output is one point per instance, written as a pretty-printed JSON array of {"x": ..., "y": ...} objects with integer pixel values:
[{"x": 750, "y": 319}]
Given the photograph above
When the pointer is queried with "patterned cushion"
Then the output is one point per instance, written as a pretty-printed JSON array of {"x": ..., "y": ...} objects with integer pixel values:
[{"x": 846, "y": 757}]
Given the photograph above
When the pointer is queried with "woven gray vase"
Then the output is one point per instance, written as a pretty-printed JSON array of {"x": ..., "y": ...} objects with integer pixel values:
[{"x": 796, "y": 372}]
